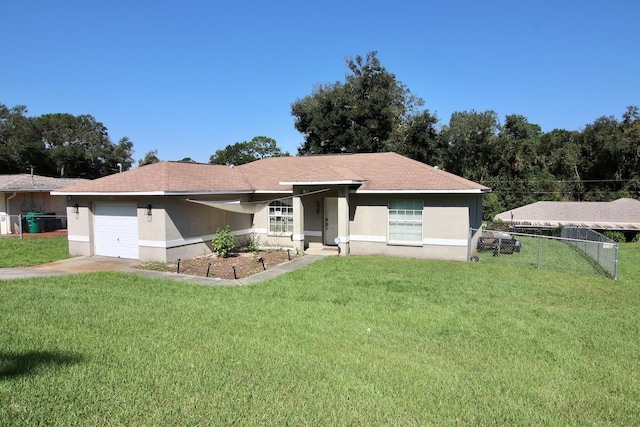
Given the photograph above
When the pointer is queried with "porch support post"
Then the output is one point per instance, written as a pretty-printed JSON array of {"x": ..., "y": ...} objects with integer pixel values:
[
  {"x": 343, "y": 220},
  {"x": 298, "y": 223}
]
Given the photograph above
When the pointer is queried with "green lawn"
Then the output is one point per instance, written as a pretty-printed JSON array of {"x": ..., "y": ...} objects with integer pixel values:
[
  {"x": 32, "y": 251},
  {"x": 345, "y": 341}
]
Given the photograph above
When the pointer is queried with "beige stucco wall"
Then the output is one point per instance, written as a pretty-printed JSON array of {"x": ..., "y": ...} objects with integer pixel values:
[
  {"x": 446, "y": 222},
  {"x": 189, "y": 227},
  {"x": 4, "y": 219},
  {"x": 175, "y": 229},
  {"x": 79, "y": 228},
  {"x": 181, "y": 229}
]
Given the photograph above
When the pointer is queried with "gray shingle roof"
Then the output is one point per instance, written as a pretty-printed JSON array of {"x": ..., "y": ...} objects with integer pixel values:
[
  {"x": 34, "y": 183},
  {"x": 621, "y": 214}
]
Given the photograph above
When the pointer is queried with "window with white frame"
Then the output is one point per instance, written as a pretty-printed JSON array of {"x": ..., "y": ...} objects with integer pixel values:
[
  {"x": 281, "y": 216},
  {"x": 405, "y": 221}
]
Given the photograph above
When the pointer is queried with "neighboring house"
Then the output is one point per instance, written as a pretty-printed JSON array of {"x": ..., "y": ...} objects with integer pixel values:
[
  {"x": 24, "y": 193},
  {"x": 619, "y": 215},
  {"x": 380, "y": 203}
]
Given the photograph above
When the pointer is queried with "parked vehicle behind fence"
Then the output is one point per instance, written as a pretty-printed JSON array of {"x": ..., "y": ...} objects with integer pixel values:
[{"x": 499, "y": 242}]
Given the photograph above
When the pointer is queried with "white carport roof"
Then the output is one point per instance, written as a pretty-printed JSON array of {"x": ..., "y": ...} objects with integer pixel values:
[{"x": 621, "y": 214}]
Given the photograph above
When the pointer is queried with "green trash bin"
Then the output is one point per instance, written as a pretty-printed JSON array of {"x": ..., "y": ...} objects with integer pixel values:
[{"x": 34, "y": 222}]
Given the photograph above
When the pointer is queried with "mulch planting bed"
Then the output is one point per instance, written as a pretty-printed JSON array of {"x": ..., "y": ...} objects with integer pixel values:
[{"x": 246, "y": 264}]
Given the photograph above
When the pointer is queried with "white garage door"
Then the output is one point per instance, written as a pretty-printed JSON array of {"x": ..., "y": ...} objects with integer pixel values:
[{"x": 115, "y": 230}]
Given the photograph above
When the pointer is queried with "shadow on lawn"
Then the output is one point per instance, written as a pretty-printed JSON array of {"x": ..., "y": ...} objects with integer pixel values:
[{"x": 27, "y": 363}]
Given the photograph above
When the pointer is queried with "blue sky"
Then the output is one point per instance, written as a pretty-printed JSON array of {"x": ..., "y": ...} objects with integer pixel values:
[{"x": 190, "y": 77}]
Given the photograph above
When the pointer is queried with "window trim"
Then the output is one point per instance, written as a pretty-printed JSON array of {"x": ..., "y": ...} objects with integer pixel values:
[{"x": 396, "y": 242}]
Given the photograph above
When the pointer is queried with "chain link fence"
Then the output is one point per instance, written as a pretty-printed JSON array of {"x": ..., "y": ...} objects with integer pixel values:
[
  {"x": 576, "y": 250},
  {"x": 31, "y": 223}
]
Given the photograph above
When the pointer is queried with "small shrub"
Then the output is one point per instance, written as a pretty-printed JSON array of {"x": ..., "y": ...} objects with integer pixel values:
[
  {"x": 224, "y": 242},
  {"x": 254, "y": 245},
  {"x": 616, "y": 236}
]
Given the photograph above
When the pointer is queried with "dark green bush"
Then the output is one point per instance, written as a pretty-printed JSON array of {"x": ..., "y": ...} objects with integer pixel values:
[{"x": 616, "y": 236}]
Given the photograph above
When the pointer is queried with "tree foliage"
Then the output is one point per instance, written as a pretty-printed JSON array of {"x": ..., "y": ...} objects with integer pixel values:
[
  {"x": 471, "y": 140},
  {"x": 259, "y": 147},
  {"x": 149, "y": 158},
  {"x": 366, "y": 113},
  {"x": 420, "y": 140},
  {"x": 20, "y": 144},
  {"x": 60, "y": 144}
]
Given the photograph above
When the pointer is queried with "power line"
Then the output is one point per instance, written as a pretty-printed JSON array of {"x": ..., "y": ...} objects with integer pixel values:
[
  {"x": 557, "y": 192},
  {"x": 487, "y": 181}
]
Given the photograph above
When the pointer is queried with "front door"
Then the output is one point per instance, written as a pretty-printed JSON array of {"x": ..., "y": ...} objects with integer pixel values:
[{"x": 330, "y": 220}]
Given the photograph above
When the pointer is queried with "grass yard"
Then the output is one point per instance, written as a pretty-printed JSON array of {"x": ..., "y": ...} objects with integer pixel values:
[
  {"x": 345, "y": 341},
  {"x": 33, "y": 251}
]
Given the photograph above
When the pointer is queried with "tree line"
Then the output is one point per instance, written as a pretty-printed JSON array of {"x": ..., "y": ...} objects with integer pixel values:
[{"x": 372, "y": 111}]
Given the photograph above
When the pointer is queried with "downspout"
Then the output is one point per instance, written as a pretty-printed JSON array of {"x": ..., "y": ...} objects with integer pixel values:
[{"x": 8, "y": 212}]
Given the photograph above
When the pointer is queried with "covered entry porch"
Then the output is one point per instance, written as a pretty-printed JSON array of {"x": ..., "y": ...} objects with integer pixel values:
[{"x": 321, "y": 219}]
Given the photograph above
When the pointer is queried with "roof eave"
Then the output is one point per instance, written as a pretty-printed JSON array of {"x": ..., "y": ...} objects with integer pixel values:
[
  {"x": 336, "y": 182},
  {"x": 611, "y": 225},
  {"x": 147, "y": 193},
  {"x": 424, "y": 191},
  {"x": 273, "y": 191},
  {"x": 26, "y": 190}
]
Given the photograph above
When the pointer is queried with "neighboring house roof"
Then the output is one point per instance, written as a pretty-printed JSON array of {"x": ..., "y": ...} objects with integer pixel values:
[
  {"x": 621, "y": 214},
  {"x": 27, "y": 183},
  {"x": 375, "y": 172}
]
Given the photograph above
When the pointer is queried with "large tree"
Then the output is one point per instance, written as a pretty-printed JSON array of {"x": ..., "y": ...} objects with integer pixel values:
[
  {"x": 611, "y": 152},
  {"x": 563, "y": 158},
  {"x": 79, "y": 146},
  {"x": 366, "y": 113},
  {"x": 522, "y": 176},
  {"x": 59, "y": 145},
  {"x": 21, "y": 147},
  {"x": 471, "y": 144},
  {"x": 259, "y": 147},
  {"x": 420, "y": 140}
]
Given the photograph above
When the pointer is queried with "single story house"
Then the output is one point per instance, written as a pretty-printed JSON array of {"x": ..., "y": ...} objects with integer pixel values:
[
  {"x": 24, "y": 193},
  {"x": 377, "y": 203},
  {"x": 619, "y": 215}
]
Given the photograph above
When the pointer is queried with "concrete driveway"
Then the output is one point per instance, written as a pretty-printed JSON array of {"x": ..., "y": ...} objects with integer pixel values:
[
  {"x": 69, "y": 266},
  {"x": 89, "y": 264}
]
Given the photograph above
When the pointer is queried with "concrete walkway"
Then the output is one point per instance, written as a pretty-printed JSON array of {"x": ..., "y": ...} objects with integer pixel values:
[{"x": 79, "y": 265}]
